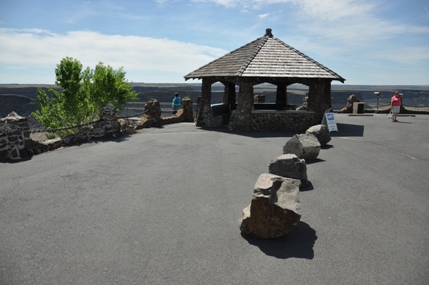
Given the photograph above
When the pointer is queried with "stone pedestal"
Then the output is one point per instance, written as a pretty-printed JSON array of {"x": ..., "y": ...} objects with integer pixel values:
[{"x": 358, "y": 107}]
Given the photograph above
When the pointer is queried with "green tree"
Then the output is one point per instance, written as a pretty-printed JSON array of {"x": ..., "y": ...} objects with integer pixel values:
[{"x": 83, "y": 94}]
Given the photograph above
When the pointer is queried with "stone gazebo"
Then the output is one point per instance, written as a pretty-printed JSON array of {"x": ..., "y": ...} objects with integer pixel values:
[{"x": 264, "y": 60}]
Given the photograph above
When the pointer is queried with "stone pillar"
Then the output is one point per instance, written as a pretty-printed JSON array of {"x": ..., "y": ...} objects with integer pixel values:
[
  {"x": 242, "y": 116},
  {"x": 152, "y": 115},
  {"x": 186, "y": 113},
  {"x": 229, "y": 93},
  {"x": 204, "y": 109},
  {"x": 281, "y": 96},
  {"x": 327, "y": 94},
  {"x": 110, "y": 119},
  {"x": 15, "y": 141},
  {"x": 319, "y": 99}
]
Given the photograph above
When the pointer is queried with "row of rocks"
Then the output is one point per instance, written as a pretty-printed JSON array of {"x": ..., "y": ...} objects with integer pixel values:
[
  {"x": 308, "y": 145},
  {"x": 275, "y": 207}
]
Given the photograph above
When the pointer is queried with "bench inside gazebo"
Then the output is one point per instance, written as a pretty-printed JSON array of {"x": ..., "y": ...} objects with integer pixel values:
[{"x": 264, "y": 60}]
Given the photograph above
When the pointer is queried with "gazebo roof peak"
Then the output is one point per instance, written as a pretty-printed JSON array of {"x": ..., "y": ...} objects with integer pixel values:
[
  {"x": 268, "y": 33},
  {"x": 266, "y": 57}
]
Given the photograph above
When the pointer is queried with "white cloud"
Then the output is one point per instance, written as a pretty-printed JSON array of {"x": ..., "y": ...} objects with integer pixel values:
[
  {"x": 325, "y": 8},
  {"x": 331, "y": 10},
  {"x": 38, "y": 48},
  {"x": 262, "y": 16}
]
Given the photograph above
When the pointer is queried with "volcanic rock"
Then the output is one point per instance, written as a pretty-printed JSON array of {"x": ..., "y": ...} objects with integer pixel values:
[{"x": 274, "y": 209}]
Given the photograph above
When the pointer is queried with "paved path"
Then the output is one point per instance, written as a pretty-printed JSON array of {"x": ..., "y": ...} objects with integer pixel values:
[{"x": 161, "y": 207}]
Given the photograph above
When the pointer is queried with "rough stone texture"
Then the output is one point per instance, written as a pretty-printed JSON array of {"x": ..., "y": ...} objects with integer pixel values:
[
  {"x": 349, "y": 107},
  {"x": 321, "y": 132},
  {"x": 275, "y": 207},
  {"x": 186, "y": 113},
  {"x": 289, "y": 165},
  {"x": 304, "y": 146},
  {"x": 319, "y": 98},
  {"x": 241, "y": 118},
  {"x": 108, "y": 125},
  {"x": 212, "y": 121},
  {"x": 281, "y": 121},
  {"x": 152, "y": 116},
  {"x": 15, "y": 141}
]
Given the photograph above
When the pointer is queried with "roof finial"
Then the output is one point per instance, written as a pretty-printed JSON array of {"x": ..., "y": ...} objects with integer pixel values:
[{"x": 268, "y": 33}]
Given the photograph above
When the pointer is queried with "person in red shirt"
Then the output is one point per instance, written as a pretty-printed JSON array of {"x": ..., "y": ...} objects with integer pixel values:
[{"x": 395, "y": 104}]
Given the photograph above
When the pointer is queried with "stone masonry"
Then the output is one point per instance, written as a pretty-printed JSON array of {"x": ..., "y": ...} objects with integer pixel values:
[{"x": 15, "y": 138}]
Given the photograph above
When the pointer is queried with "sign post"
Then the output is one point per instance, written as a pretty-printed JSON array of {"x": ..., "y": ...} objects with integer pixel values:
[
  {"x": 377, "y": 94},
  {"x": 329, "y": 122}
]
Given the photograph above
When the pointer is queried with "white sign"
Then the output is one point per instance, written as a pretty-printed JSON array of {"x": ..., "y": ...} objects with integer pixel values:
[{"x": 329, "y": 121}]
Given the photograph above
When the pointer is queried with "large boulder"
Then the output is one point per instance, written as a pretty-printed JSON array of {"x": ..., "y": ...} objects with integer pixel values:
[
  {"x": 275, "y": 207},
  {"x": 321, "y": 132},
  {"x": 289, "y": 165},
  {"x": 305, "y": 146},
  {"x": 349, "y": 107}
]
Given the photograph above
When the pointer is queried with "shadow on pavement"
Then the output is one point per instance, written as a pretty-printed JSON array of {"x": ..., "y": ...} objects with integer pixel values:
[
  {"x": 298, "y": 243},
  {"x": 309, "y": 187},
  {"x": 255, "y": 134},
  {"x": 317, "y": 160},
  {"x": 348, "y": 130},
  {"x": 328, "y": 146}
]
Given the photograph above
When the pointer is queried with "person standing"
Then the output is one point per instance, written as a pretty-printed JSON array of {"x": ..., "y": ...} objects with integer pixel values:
[
  {"x": 177, "y": 103},
  {"x": 395, "y": 104}
]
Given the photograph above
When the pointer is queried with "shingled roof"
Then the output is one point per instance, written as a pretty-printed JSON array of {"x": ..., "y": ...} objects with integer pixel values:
[{"x": 268, "y": 57}]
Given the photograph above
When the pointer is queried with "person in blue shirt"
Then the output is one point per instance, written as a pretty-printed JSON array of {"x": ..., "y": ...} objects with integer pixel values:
[{"x": 177, "y": 103}]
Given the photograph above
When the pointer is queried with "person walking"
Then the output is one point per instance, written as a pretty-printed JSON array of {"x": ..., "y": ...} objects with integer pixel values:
[
  {"x": 177, "y": 103},
  {"x": 395, "y": 104}
]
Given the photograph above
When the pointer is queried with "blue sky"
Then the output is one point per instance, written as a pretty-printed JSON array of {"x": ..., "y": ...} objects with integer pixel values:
[{"x": 368, "y": 42}]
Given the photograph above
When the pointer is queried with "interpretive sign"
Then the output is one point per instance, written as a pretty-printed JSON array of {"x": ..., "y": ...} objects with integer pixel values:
[{"x": 329, "y": 122}]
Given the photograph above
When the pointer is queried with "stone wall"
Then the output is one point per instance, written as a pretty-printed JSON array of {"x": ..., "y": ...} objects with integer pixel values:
[
  {"x": 282, "y": 121},
  {"x": 15, "y": 138},
  {"x": 152, "y": 116},
  {"x": 108, "y": 125},
  {"x": 15, "y": 141}
]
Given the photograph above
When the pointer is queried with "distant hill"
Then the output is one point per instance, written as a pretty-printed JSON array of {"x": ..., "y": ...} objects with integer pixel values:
[{"x": 22, "y": 98}]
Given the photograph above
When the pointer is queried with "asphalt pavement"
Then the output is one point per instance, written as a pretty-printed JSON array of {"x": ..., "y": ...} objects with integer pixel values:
[{"x": 161, "y": 206}]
